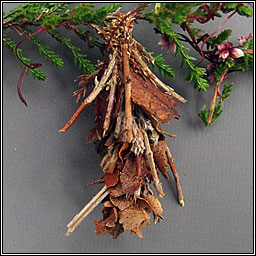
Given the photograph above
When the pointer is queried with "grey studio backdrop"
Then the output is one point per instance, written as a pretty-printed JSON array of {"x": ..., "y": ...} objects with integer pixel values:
[{"x": 45, "y": 173}]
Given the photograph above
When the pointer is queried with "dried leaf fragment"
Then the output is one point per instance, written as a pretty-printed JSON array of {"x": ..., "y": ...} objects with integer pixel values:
[
  {"x": 159, "y": 154},
  {"x": 117, "y": 190},
  {"x": 133, "y": 218},
  {"x": 121, "y": 202},
  {"x": 154, "y": 204},
  {"x": 108, "y": 163},
  {"x": 128, "y": 177},
  {"x": 109, "y": 223},
  {"x": 148, "y": 96},
  {"x": 111, "y": 179},
  {"x": 100, "y": 227}
]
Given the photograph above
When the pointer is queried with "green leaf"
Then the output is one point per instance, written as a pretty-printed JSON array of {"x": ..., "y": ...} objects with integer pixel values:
[
  {"x": 245, "y": 10},
  {"x": 204, "y": 115},
  {"x": 37, "y": 73},
  {"x": 78, "y": 57},
  {"x": 195, "y": 31},
  {"x": 222, "y": 37},
  {"x": 49, "y": 55},
  {"x": 230, "y": 6},
  {"x": 227, "y": 90},
  {"x": 248, "y": 44},
  {"x": 217, "y": 111},
  {"x": 164, "y": 69}
]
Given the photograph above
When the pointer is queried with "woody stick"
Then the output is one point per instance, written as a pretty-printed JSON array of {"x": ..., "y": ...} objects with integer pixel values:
[
  {"x": 176, "y": 176},
  {"x": 97, "y": 89},
  {"x": 128, "y": 101},
  {"x": 86, "y": 210}
]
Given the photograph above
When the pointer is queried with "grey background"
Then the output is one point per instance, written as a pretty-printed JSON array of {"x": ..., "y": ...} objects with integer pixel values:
[{"x": 45, "y": 173}]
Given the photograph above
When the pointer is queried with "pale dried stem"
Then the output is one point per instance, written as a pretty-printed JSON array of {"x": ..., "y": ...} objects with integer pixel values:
[
  {"x": 141, "y": 49},
  {"x": 87, "y": 77},
  {"x": 79, "y": 93},
  {"x": 103, "y": 80},
  {"x": 155, "y": 79},
  {"x": 86, "y": 210},
  {"x": 149, "y": 155},
  {"x": 119, "y": 116},
  {"x": 118, "y": 123},
  {"x": 128, "y": 101},
  {"x": 111, "y": 99},
  {"x": 176, "y": 176},
  {"x": 91, "y": 97},
  {"x": 18, "y": 29}
]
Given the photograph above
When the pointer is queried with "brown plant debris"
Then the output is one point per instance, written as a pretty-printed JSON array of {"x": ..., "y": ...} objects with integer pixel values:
[
  {"x": 129, "y": 107},
  {"x": 159, "y": 153},
  {"x": 148, "y": 97}
]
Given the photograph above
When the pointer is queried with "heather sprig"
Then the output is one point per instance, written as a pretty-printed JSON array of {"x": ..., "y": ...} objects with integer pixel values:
[
  {"x": 220, "y": 55},
  {"x": 223, "y": 58}
]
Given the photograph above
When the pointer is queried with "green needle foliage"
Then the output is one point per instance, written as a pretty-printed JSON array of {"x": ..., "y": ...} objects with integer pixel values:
[
  {"x": 185, "y": 15},
  {"x": 50, "y": 16},
  {"x": 37, "y": 72},
  {"x": 79, "y": 58},
  {"x": 44, "y": 50},
  {"x": 164, "y": 69},
  {"x": 219, "y": 108}
]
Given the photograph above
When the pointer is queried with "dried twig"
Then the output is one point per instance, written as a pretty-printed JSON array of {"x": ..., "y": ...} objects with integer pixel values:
[
  {"x": 93, "y": 94},
  {"x": 155, "y": 79},
  {"x": 111, "y": 99},
  {"x": 149, "y": 155},
  {"x": 176, "y": 176},
  {"x": 128, "y": 101},
  {"x": 88, "y": 77},
  {"x": 86, "y": 210}
]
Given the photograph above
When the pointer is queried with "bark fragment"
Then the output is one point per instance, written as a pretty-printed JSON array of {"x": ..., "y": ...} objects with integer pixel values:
[{"x": 148, "y": 97}]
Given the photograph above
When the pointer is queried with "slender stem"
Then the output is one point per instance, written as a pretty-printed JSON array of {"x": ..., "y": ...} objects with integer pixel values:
[
  {"x": 207, "y": 17},
  {"x": 149, "y": 155},
  {"x": 86, "y": 210},
  {"x": 219, "y": 28},
  {"x": 168, "y": 89},
  {"x": 128, "y": 92},
  {"x": 215, "y": 93},
  {"x": 176, "y": 176},
  {"x": 97, "y": 89},
  {"x": 186, "y": 39},
  {"x": 31, "y": 66},
  {"x": 88, "y": 38},
  {"x": 111, "y": 99},
  {"x": 194, "y": 18},
  {"x": 192, "y": 37},
  {"x": 19, "y": 84}
]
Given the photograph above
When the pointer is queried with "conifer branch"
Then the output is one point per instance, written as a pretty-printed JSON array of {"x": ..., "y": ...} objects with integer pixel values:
[
  {"x": 79, "y": 58},
  {"x": 37, "y": 72}
]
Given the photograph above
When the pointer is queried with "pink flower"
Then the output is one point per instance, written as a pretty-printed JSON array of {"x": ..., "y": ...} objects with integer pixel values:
[
  {"x": 225, "y": 50},
  {"x": 236, "y": 53},
  {"x": 243, "y": 39},
  {"x": 223, "y": 46},
  {"x": 172, "y": 47},
  {"x": 224, "y": 54},
  {"x": 165, "y": 42}
]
